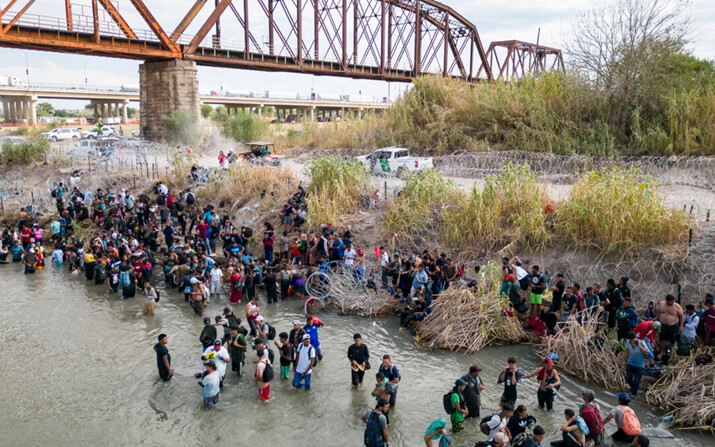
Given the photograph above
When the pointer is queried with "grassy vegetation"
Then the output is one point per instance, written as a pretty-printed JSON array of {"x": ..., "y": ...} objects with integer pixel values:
[
  {"x": 244, "y": 127},
  {"x": 615, "y": 209},
  {"x": 336, "y": 187},
  {"x": 243, "y": 182},
  {"x": 610, "y": 209},
  {"x": 25, "y": 152},
  {"x": 511, "y": 207}
]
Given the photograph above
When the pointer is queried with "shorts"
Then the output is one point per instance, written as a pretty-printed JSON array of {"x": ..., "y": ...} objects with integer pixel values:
[
  {"x": 668, "y": 333},
  {"x": 536, "y": 298}
]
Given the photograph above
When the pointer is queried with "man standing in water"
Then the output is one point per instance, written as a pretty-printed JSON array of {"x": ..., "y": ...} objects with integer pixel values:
[
  {"x": 304, "y": 362},
  {"x": 211, "y": 384},
  {"x": 549, "y": 381},
  {"x": 376, "y": 431},
  {"x": 671, "y": 317},
  {"x": 163, "y": 359},
  {"x": 311, "y": 328},
  {"x": 392, "y": 374},
  {"x": 359, "y": 356},
  {"x": 510, "y": 377},
  {"x": 472, "y": 393}
]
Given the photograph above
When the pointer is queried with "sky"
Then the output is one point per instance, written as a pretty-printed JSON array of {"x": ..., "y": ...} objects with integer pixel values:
[{"x": 495, "y": 20}]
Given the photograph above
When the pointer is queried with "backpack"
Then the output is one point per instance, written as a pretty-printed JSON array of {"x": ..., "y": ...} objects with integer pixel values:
[
  {"x": 267, "y": 373},
  {"x": 373, "y": 434},
  {"x": 158, "y": 296},
  {"x": 631, "y": 425},
  {"x": 161, "y": 199},
  {"x": 485, "y": 420},
  {"x": 271, "y": 356},
  {"x": 447, "y": 403},
  {"x": 579, "y": 303},
  {"x": 238, "y": 285},
  {"x": 271, "y": 332},
  {"x": 582, "y": 426},
  {"x": 248, "y": 233},
  {"x": 593, "y": 421},
  {"x": 124, "y": 278},
  {"x": 54, "y": 193},
  {"x": 190, "y": 198},
  {"x": 520, "y": 439}
]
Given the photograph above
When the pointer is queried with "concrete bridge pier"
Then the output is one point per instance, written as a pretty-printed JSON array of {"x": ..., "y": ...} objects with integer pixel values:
[
  {"x": 163, "y": 88},
  {"x": 18, "y": 109}
]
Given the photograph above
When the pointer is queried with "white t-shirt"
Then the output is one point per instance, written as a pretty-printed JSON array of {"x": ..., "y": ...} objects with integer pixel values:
[
  {"x": 216, "y": 274},
  {"x": 384, "y": 259},
  {"x": 306, "y": 353},
  {"x": 617, "y": 414},
  {"x": 350, "y": 256},
  {"x": 496, "y": 424},
  {"x": 222, "y": 353},
  {"x": 520, "y": 273}
]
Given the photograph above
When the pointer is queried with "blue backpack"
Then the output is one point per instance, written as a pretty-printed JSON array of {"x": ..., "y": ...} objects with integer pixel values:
[{"x": 373, "y": 434}]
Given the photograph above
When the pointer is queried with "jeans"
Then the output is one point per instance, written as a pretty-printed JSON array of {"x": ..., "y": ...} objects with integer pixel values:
[
  {"x": 268, "y": 254},
  {"x": 633, "y": 377},
  {"x": 298, "y": 378}
]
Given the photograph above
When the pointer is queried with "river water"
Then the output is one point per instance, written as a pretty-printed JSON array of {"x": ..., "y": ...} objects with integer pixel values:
[{"x": 79, "y": 369}]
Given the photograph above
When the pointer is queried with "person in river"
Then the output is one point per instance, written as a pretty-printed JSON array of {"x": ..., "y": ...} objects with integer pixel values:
[
  {"x": 304, "y": 362},
  {"x": 618, "y": 413},
  {"x": 150, "y": 297},
  {"x": 459, "y": 407},
  {"x": 163, "y": 358},
  {"x": 211, "y": 383},
  {"x": 572, "y": 431},
  {"x": 497, "y": 423},
  {"x": 237, "y": 345},
  {"x": 219, "y": 355},
  {"x": 285, "y": 350},
  {"x": 392, "y": 374},
  {"x": 510, "y": 377},
  {"x": 311, "y": 328},
  {"x": 520, "y": 421},
  {"x": 359, "y": 357},
  {"x": 436, "y": 431},
  {"x": 472, "y": 393},
  {"x": 252, "y": 310},
  {"x": 549, "y": 383},
  {"x": 263, "y": 380},
  {"x": 208, "y": 333},
  {"x": 29, "y": 260},
  {"x": 376, "y": 434}
]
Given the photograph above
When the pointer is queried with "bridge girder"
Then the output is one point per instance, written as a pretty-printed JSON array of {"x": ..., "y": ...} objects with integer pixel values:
[{"x": 375, "y": 39}]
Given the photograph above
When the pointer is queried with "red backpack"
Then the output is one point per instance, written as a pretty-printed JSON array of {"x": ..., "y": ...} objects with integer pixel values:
[{"x": 592, "y": 416}]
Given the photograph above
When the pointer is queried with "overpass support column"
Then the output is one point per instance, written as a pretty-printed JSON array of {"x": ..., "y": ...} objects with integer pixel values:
[
  {"x": 33, "y": 110},
  {"x": 165, "y": 87},
  {"x": 96, "y": 111},
  {"x": 104, "y": 111},
  {"x": 6, "y": 110},
  {"x": 312, "y": 113},
  {"x": 125, "y": 116},
  {"x": 260, "y": 111}
]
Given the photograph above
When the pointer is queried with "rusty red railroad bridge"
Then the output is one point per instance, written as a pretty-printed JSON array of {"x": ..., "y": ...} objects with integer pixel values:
[{"x": 391, "y": 40}]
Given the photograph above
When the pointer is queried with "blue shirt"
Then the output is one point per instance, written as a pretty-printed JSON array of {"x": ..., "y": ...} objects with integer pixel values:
[
  {"x": 419, "y": 277},
  {"x": 390, "y": 373},
  {"x": 635, "y": 355},
  {"x": 57, "y": 256},
  {"x": 313, "y": 332}
]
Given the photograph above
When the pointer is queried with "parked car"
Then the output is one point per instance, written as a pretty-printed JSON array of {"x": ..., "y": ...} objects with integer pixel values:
[
  {"x": 62, "y": 135},
  {"x": 395, "y": 160},
  {"x": 92, "y": 133}
]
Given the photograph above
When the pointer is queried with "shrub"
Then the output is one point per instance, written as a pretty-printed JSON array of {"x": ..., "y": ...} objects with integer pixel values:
[
  {"x": 336, "y": 187},
  {"x": 182, "y": 127},
  {"x": 26, "y": 151},
  {"x": 616, "y": 209},
  {"x": 244, "y": 127}
]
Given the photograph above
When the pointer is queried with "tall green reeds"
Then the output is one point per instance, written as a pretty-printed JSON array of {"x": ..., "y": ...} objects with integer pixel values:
[
  {"x": 336, "y": 187},
  {"x": 618, "y": 209}
]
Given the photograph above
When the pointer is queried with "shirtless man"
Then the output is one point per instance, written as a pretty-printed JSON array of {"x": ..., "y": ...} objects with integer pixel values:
[
  {"x": 252, "y": 310},
  {"x": 670, "y": 315}
]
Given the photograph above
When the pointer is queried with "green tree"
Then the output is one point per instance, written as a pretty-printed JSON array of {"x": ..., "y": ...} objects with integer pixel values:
[
  {"x": 132, "y": 112},
  {"x": 45, "y": 109},
  {"x": 244, "y": 126},
  {"x": 206, "y": 111}
]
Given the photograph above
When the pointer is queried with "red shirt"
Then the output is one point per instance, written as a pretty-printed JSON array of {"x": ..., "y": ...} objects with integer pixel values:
[
  {"x": 26, "y": 235},
  {"x": 644, "y": 330},
  {"x": 201, "y": 228}
]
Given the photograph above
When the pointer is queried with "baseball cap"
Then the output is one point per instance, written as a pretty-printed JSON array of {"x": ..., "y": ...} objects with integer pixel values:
[
  {"x": 474, "y": 368},
  {"x": 656, "y": 325},
  {"x": 217, "y": 342},
  {"x": 624, "y": 397},
  {"x": 296, "y": 322},
  {"x": 259, "y": 318},
  {"x": 510, "y": 277},
  {"x": 460, "y": 382},
  {"x": 306, "y": 337},
  {"x": 549, "y": 361},
  {"x": 194, "y": 281}
]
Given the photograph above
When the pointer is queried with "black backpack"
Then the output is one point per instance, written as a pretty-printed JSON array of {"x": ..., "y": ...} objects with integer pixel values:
[
  {"x": 190, "y": 198},
  {"x": 161, "y": 199},
  {"x": 447, "y": 403},
  {"x": 271, "y": 355},
  {"x": 520, "y": 439},
  {"x": 54, "y": 193},
  {"x": 267, "y": 372},
  {"x": 158, "y": 296},
  {"x": 271, "y": 332}
]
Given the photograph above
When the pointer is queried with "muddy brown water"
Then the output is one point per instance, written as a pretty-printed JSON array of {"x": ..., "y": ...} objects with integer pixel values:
[{"x": 79, "y": 369}]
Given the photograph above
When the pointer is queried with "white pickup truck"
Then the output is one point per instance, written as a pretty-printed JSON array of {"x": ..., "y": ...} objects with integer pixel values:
[{"x": 395, "y": 160}]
